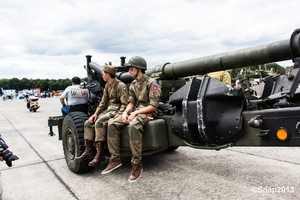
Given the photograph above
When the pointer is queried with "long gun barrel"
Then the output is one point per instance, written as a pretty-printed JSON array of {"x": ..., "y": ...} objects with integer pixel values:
[{"x": 267, "y": 53}]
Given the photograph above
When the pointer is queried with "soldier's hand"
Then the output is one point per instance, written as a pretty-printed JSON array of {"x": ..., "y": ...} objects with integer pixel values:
[
  {"x": 93, "y": 118},
  {"x": 131, "y": 117},
  {"x": 125, "y": 118}
]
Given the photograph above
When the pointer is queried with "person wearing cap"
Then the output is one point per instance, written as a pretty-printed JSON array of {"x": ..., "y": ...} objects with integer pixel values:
[
  {"x": 75, "y": 96},
  {"x": 144, "y": 97},
  {"x": 113, "y": 102}
]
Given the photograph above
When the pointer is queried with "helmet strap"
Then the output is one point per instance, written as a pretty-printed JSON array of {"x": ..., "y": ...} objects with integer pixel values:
[{"x": 138, "y": 72}]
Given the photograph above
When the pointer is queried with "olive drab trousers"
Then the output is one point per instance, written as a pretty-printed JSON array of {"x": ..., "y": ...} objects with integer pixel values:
[
  {"x": 135, "y": 130},
  {"x": 97, "y": 131}
]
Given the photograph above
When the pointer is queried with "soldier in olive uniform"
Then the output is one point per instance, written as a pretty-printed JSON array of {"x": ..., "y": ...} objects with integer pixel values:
[
  {"x": 222, "y": 76},
  {"x": 113, "y": 102},
  {"x": 144, "y": 97}
]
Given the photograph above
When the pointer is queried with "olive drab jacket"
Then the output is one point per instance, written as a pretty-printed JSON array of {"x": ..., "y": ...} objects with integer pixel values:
[
  {"x": 222, "y": 76},
  {"x": 114, "y": 97},
  {"x": 144, "y": 92}
]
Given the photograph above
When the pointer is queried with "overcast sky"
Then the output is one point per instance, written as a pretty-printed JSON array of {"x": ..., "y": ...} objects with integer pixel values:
[{"x": 50, "y": 39}]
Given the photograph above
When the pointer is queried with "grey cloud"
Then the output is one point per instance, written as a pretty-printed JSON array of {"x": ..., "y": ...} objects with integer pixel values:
[{"x": 58, "y": 34}]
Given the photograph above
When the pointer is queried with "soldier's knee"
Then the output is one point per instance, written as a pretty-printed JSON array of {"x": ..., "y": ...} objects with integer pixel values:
[
  {"x": 87, "y": 124},
  {"x": 111, "y": 130},
  {"x": 134, "y": 135},
  {"x": 99, "y": 124},
  {"x": 135, "y": 128}
]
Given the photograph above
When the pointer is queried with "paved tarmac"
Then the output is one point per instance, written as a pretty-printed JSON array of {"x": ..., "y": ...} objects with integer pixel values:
[{"x": 233, "y": 173}]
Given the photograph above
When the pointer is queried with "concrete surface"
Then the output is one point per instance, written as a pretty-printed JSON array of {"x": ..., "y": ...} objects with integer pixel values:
[{"x": 233, "y": 173}]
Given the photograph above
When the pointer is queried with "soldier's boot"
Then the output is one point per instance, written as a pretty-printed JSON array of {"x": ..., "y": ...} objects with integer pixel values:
[
  {"x": 100, "y": 156},
  {"x": 89, "y": 151}
]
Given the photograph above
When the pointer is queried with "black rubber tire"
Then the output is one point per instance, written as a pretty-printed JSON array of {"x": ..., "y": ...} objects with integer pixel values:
[{"x": 73, "y": 141}]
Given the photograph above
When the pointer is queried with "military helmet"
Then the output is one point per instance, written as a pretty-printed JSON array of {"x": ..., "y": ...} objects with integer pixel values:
[{"x": 137, "y": 62}]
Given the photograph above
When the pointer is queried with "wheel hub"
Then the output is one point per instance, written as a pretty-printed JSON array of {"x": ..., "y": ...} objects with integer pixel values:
[{"x": 70, "y": 146}]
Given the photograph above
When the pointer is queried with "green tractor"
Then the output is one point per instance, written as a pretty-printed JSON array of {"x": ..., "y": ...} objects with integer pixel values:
[{"x": 203, "y": 113}]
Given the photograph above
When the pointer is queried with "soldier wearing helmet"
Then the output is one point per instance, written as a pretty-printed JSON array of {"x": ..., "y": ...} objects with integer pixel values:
[{"x": 144, "y": 97}]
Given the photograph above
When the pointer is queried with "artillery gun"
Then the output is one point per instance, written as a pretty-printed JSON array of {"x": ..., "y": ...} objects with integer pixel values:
[{"x": 205, "y": 113}]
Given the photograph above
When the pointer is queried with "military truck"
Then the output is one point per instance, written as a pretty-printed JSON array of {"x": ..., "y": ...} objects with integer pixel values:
[{"x": 203, "y": 113}]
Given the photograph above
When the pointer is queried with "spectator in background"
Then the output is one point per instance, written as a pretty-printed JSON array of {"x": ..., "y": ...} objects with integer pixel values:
[
  {"x": 255, "y": 85},
  {"x": 238, "y": 84},
  {"x": 222, "y": 76},
  {"x": 76, "y": 98}
]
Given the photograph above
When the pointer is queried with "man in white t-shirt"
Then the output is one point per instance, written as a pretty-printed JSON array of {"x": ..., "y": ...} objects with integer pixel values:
[{"x": 76, "y": 98}]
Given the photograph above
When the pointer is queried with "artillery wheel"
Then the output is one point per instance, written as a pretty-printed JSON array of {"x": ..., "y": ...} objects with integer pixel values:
[{"x": 73, "y": 141}]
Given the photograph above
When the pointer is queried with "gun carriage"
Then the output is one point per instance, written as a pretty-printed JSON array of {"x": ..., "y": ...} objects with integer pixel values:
[{"x": 204, "y": 113}]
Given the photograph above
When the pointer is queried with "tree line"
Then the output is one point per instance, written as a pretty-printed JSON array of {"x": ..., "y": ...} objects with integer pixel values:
[
  {"x": 61, "y": 84},
  {"x": 258, "y": 71},
  {"x": 43, "y": 84}
]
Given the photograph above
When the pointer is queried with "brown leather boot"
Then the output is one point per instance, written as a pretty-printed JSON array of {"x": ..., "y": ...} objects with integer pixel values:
[
  {"x": 89, "y": 151},
  {"x": 99, "y": 157},
  {"x": 136, "y": 172}
]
